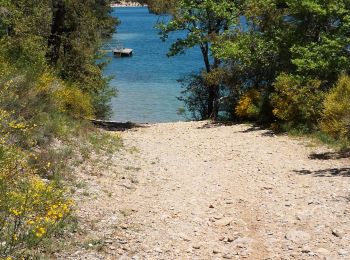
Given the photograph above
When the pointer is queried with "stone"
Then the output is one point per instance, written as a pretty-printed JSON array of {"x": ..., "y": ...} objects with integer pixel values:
[
  {"x": 298, "y": 236},
  {"x": 196, "y": 246},
  {"x": 185, "y": 238},
  {"x": 211, "y": 206},
  {"x": 158, "y": 250},
  {"x": 337, "y": 233},
  {"x": 227, "y": 256},
  {"x": 224, "y": 222},
  {"x": 124, "y": 226},
  {"x": 217, "y": 217},
  {"x": 305, "y": 250},
  {"x": 230, "y": 239},
  {"x": 216, "y": 251},
  {"x": 343, "y": 252},
  {"x": 302, "y": 216},
  {"x": 322, "y": 251}
]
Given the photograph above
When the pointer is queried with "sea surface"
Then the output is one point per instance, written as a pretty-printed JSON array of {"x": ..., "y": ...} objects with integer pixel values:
[{"x": 147, "y": 82}]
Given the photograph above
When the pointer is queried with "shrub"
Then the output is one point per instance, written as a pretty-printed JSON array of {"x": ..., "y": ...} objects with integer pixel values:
[
  {"x": 195, "y": 95},
  {"x": 31, "y": 208},
  {"x": 248, "y": 105},
  {"x": 74, "y": 102},
  {"x": 336, "y": 113},
  {"x": 297, "y": 101}
]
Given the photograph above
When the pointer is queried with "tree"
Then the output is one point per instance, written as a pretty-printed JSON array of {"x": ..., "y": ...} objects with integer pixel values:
[
  {"x": 307, "y": 39},
  {"x": 57, "y": 29},
  {"x": 202, "y": 21},
  {"x": 160, "y": 6},
  {"x": 64, "y": 35}
]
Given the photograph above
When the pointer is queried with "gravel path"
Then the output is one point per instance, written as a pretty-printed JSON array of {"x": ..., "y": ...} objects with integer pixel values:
[{"x": 200, "y": 191}]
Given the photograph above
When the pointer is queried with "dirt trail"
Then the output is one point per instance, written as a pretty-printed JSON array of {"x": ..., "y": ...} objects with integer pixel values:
[{"x": 200, "y": 191}]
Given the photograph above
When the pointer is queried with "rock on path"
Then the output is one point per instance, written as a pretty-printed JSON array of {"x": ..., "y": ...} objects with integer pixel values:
[{"x": 200, "y": 191}]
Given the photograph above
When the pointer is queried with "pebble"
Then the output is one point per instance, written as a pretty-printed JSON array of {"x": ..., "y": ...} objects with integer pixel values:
[
  {"x": 337, "y": 233},
  {"x": 343, "y": 252},
  {"x": 302, "y": 216},
  {"x": 227, "y": 256},
  {"x": 216, "y": 251},
  {"x": 185, "y": 238},
  {"x": 322, "y": 251},
  {"x": 306, "y": 250},
  {"x": 158, "y": 250},
  {"x": 217, "y": 217},
  {"x": 230, "y": 239},
  {"x": 224, "y": 222},
  {"x": 123, "y": 226},
  {"x": 297, "y": 236}
]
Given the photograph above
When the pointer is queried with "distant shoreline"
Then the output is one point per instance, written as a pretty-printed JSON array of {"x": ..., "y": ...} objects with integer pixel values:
[{"x": 128, "y": 4}]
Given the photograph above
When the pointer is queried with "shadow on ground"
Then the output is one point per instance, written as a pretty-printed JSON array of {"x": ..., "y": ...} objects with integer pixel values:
[
  {"x": 344, "y": 172},
  {"x": 266, "y": 132},
  {"x": 116, "y": 126},
  {"x": 215, "y": 124},
  {"x": 330, "y": 155}
]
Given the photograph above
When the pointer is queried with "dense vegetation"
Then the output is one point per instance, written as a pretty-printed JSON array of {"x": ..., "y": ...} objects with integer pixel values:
[
  {"x": 282, "y": 63},
  {"x": 50, "y": 83}
]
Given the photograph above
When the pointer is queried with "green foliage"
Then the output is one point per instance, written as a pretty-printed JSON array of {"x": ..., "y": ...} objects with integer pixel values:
[
  {"x": 336, "y": 113},
  {"x": 160, "y": 6},
  {"x": 74, "y": 102},
  {"x": 292, "y": 51},
  {"x": 297, "y": 101},
  {"x": 202, "y": 22},
  {"x": 31, "y": 209},
  {"x": 194, "y": 95},
  {"x": 249, "y": 105},
  {"x": 29, "y": 40},
  {"x": 43, "y": 104}
]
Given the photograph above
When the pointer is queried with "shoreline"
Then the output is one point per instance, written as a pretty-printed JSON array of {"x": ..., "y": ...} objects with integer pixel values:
[{"x": 123, "y": 4}]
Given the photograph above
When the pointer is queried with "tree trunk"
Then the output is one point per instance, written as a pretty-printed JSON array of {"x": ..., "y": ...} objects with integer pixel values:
[
  {"x": 212, "y": 109},
  {"x": 213, "y": 100},
  {"x": 57, "y": 28}
]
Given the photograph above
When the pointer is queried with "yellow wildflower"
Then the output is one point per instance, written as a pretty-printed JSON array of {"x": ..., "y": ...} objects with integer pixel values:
[
  {"x": 40, "y": 232},
  {"x": 15, "y": 212}
]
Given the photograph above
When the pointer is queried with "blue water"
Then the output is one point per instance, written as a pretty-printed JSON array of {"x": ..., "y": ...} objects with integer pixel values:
[{"x": 147, "y": 82}]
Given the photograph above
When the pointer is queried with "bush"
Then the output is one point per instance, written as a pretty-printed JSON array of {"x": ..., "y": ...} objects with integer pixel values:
[
  {"x": 248, "y": 105},
  {"x": 336, "y": 113},
  {"x": 195, "y": 96},
  {"x": 297, "y": 102},
  {"x": 74, "y": 102},
  {"x": 31, "y": 208}
]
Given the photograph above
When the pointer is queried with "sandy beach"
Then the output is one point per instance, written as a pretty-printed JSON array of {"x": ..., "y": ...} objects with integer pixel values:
[{"x": 196, "y": 190}]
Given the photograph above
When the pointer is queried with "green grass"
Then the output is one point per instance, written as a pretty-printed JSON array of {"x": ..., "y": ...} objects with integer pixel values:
[{"x": 319, "y": 137}]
